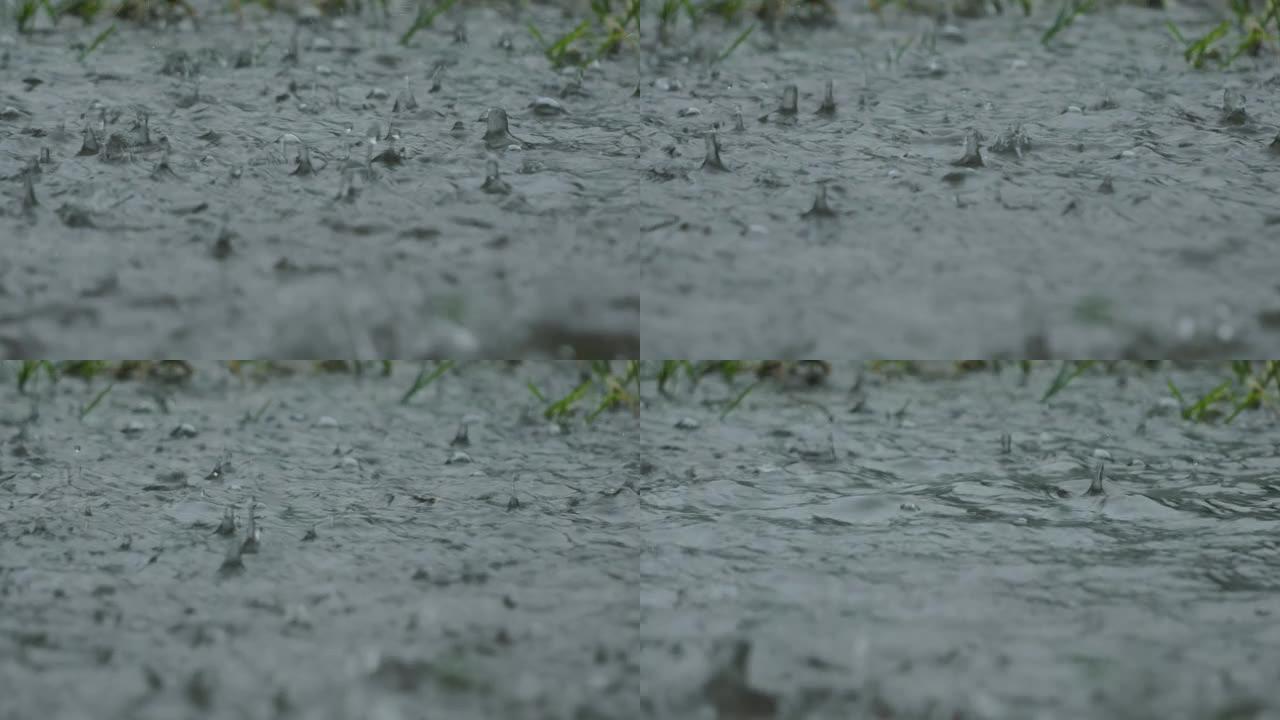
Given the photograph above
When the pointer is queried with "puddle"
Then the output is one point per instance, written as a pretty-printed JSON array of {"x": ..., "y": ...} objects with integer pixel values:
[{"x": 308, "y": 189}]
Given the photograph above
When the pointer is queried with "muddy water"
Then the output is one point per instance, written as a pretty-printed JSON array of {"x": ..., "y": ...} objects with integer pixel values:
[
  {"x": 393, "y": 578},
  {"x": 1128, "y": 215},
  {"x": 795, "y": 560},
  {"x": 893, "y": 562}
]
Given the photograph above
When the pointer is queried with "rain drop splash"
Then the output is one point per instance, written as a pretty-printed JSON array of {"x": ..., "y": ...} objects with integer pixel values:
[
  {"x": 1095, "y": 487},
  {"x": 790, "y": 101},
  {"x": 1013, "y": 141},
  {"x": 304, "y": 162},
  {"x": 116, "y": 148},
  {"x": 405, "y": 101},
  {"x": 972, "y": 151},
  {"x": 29, "y": 201},
  {"x": 46, "y": 156},
  {"x": 713, "y": 161},
  {"x": 253, "y": 534},
  {"x": 1233, "y": 112},
  {"x": 140, "y": 135},
  {"x": 820, "y": 209},
  {"x": 90, "y": 144},
  {"x": 1275, "y": 144},
  {"x": 162, "y": 171},
  {"x": 496, "y": 134},
  {"x": 493, "y": 182},
  {"x": 828, "y": 100},
  {"x": 738, "y": 125},
  {"x": 347, "y": 191}
]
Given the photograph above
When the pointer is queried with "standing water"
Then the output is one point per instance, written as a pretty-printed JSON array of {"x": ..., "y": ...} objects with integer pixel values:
[{"x": 208, "y": 188}]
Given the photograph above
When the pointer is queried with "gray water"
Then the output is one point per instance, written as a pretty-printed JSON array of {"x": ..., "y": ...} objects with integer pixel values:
[
  {"x": 1134, "y": 221},
  {"x": 817, "y": 553}
]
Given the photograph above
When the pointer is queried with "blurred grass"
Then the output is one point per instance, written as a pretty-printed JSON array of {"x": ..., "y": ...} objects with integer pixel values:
[
  {"x": 599, "y": 29},
  {"x": 605, "y": 386}
]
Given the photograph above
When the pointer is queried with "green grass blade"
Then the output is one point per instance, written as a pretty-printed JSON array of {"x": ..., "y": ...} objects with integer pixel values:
[
  {"x": 97, "y": 399},
  {"x": 424, "y": 379},
  {"x": 1065, "y": 375},
  {"x": 740, "y": 397},
  {"x": 101, "y": 38},
  {"x": 737, "y": 41},
  {"x": 426, "y": 18}
]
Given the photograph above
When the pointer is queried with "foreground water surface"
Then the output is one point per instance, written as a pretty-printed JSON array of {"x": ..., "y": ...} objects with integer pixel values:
[
  {"x": 816, "y": 553},
  {"x": 306, "y": 187}
]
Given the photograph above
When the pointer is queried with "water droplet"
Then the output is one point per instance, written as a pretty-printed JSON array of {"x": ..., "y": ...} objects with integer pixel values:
[
  {"x": 738, "y": 125},
  {"x": 713, "y": 161},
  {"x": 1013, "y": 141}
]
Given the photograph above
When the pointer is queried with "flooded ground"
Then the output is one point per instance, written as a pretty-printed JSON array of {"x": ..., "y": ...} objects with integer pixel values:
[
  {"x": 816, "y": 554},
  {"x": 397, "y": 569},
  {"x": 878, "y": 554},
  {"x": 1118, "y": 208}
]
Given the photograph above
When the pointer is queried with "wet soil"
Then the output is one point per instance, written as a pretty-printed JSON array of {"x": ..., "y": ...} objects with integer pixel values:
[
  {"x": 1119, "y": 207},
  {"x": 817, "y": 553},
  {"x": 398, "y": 573}
]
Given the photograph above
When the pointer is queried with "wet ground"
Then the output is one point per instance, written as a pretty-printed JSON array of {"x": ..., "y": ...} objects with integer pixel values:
[
  {"x": 396, "y": 569},
  {"x": 816, "y": 554},
  {"x": 1118, "y": 209},
  {"x": 878, "y": 554}
]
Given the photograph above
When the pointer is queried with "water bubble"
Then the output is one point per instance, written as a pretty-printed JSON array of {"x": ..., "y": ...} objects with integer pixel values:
[
  {"x": 712, "y": 160},
  {"x": 496, "y": 134},
  {"x": 546, "y": 106},
  {"x": 493, "y": 182},
  {"x": 828, "y": 100},
  {"x": 972, "y": 150},
  {"x": 820, "y": 209},
  {"x": 1233, "y": 112}
]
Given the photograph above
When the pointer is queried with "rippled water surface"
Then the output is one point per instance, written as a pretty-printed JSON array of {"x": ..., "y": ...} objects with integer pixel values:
[
  {"x": 397, "y": 570},
  {"x": 876, "y": 554},
  {"x": 1118, "y": 208},
  {"x": 815, "y": 554}
]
